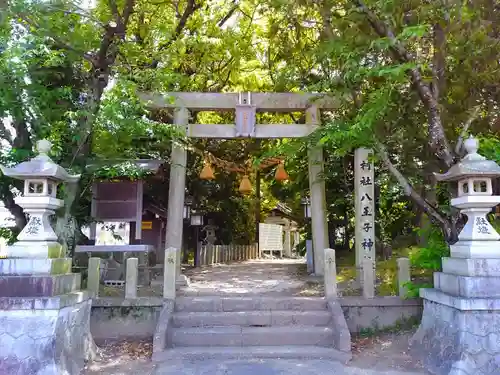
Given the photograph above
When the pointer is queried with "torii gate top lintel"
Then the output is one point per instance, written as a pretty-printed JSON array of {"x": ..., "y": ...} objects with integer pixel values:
[
  {"x": 263, "y": 101},
  {"x": 246, "y": 105}
]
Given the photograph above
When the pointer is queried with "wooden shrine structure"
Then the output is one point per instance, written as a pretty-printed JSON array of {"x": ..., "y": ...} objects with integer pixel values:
[
  {"x": 245, "y": 106},
  {"x": 123, "y": 200}
]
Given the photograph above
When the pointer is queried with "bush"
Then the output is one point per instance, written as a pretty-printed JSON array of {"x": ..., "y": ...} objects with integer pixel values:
[{"x": 428, "y": 259}]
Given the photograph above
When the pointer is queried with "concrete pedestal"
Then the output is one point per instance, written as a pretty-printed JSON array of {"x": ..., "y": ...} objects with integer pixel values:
[
  {"x": 460, "y": 329},
  {"x": 44, "y": 318}
]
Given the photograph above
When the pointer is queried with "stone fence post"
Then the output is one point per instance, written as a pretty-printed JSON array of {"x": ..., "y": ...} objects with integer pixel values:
[
  {"x": 94, "y": 275},
  {"x": 132, "y": 275},
  {"x": 169, "y": 273},
  {"x": 403, "y": 276},
  {"x": 330, "y": 276}
]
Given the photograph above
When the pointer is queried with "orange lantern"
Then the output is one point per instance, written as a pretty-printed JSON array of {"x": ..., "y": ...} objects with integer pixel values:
[
  {"x": 281, "y": 174},
  {"x": 245, "y": 185},
  {"x": 207, "y": 173}
]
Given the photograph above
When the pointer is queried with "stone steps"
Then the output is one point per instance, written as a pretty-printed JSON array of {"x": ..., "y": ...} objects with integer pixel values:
[
  {"x": 253, "y": 352},
  {"x": 250, "y": 327},
  {"x": 231, "y": 304},
  {"x": 252, "y": 336},
  {"x": 251, "y": 318}
]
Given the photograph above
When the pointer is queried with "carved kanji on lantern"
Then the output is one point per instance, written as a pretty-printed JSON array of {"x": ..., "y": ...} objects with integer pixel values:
[{"x": 245, "y": 117}]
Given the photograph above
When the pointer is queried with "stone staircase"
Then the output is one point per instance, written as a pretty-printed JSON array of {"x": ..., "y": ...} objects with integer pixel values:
[{"x": 253, "y": 327}]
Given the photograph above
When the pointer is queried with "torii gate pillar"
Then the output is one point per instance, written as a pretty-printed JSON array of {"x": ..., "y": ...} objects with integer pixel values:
[
  {"x": 176, "y": 192},
  {"x": 318, "y": 198}
]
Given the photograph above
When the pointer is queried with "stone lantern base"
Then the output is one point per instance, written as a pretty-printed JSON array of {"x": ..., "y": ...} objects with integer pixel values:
[
  {"x": 460, "y": 329},
  {"x": 44, "y": 318}
]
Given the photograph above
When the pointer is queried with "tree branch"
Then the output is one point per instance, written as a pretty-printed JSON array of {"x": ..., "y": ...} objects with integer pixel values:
[
  {"x": 191, "y": 7},
  {"x": 465, "y": 129},
  {"x": 229, "y": 14},
  {"x": 409, "y": 191},
  {"x": 437, "y": 137}
]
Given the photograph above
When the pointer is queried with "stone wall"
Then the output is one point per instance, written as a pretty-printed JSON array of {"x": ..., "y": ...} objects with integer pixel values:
[
  {"x": 380, "y": 312},
  {"x": 115, "y": 318}
]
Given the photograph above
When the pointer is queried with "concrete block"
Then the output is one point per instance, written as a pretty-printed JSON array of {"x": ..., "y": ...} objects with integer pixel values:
[
  {"x": 39, "y": 285},
  {"x": 472, "y": 267},
  {"x": 467, "y": 286}
]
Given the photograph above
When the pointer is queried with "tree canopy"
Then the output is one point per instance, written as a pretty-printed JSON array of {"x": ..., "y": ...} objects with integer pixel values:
[{"x": 412, "y": 78}]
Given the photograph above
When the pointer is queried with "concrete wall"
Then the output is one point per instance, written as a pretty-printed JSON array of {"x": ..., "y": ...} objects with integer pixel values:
[
  {"x": 380, "y": 312},
  {"x": 116, "y": 318}
]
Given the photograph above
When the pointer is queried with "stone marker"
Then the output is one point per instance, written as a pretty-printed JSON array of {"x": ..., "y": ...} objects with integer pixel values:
[
  {"x": 368, "y": 279},
  {"x": 45, "y": 318},
  {"x": 330, "y": 276},
  {"x": 364, "y": 195},
  {"x": 403, "y": 276},
  {"x": 169, "y": 274},
  {"x": 94, "y": 276},
  {"x": 131, "y": 279},
  {"x": 460, "y": 329}
]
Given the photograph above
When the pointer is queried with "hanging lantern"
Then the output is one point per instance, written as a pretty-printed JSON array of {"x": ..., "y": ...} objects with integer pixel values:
[
  {"x": 281, "y": 174},
  {"x": 207, "y": 173},
  {"x": 245, "y": 185}
]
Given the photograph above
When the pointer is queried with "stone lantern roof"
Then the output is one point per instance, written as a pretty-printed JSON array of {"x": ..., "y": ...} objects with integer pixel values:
[
  {"x": 41, "y": 166},
  {"x": 472, "y": 165}
]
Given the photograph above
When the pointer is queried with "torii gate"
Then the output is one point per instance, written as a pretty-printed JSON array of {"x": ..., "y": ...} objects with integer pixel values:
[{"x": 245, "y": 105}]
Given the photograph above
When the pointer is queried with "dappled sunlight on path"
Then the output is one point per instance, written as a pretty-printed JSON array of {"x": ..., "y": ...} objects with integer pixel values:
[{"x": 255, "y": 277}]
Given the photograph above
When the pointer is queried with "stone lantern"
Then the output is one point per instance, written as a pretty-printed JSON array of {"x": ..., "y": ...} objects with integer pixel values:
[
  {"x": 460, "y": 329},
  {"x": 45, "y": 317},
  {"x": 41, "y": 177}
]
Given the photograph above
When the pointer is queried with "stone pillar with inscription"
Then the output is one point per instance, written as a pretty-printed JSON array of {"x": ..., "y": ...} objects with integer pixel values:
[
  {"x": 364, "y": 196},
  {"x": 460, "y": 329},
  {"x": 44, "y": 317}
]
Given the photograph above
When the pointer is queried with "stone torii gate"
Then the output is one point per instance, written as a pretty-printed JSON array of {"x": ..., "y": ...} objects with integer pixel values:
[{"x": 245, "y": 105}]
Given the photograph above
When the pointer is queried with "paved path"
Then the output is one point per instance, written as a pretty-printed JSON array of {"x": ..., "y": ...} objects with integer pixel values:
[
  {"x": 246, "y": 367},
  {"x": 268, "y": 367},
  {"x": 255, "y": 277}
]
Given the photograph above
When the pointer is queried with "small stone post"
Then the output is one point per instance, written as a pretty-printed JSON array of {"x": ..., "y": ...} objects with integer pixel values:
[
  {"x": 131, "y": 278},
  {"x": 169, "y": 276},
  {"x": 94, "y": 275},
  {"x": 403, "y": 276},
  {"x": 330, "y": 277},
  {"x": 368, "y": 279}
]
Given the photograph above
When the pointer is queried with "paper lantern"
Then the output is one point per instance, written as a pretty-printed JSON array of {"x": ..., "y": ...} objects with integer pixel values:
[
  {"x": 281, "y": 174},
  {"x": 207, "y": 173},
  {"x": 245, "y": 185}
]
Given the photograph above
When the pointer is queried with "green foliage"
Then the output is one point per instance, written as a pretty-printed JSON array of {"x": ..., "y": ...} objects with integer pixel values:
[
  {"x": 427, "y": 259},
  {"x": 127, "y": 169}
]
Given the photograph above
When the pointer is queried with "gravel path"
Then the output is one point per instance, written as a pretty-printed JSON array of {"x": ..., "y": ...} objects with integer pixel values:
[{"x": 256, "y": 277}]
